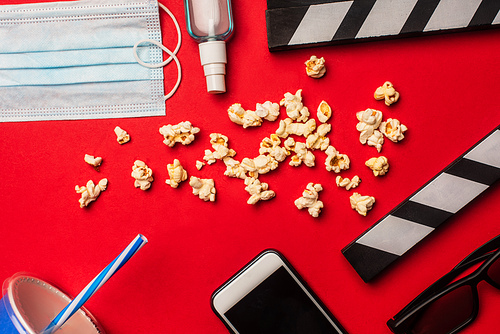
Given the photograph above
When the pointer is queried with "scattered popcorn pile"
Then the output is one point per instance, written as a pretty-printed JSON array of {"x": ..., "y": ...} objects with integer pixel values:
[
  {"x": 273, "y": 149},
  {"x": 278, "y": 146}
]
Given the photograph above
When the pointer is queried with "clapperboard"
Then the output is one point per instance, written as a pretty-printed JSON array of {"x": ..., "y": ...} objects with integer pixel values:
[
  {"x": 424, "y": 211},
  {"x": 305, "y": 23}
]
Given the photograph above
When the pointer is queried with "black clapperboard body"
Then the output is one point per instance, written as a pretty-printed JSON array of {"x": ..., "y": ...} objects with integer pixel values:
[
  {"x": 305, "y": 23},
  {"x": 424, "y": 211}
]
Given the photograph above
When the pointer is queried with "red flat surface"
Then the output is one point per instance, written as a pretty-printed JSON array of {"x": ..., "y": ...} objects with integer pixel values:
[{"x": 449, "y": 100}]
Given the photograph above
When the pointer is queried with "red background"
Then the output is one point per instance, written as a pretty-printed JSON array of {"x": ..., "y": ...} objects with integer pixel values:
[{"x": 449, "y": 100}]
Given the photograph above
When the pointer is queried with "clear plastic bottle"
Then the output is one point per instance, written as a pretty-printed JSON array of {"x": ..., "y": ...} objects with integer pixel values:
[{"x": 210, "y": 23}]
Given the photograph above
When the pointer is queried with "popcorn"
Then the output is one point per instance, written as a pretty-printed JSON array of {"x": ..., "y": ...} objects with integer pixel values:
[
  {"x": 379, "y": 166},
  {"x": 318, "y": 140},
  {"x": 376, "y": 140},
  {"x": 288, "y": 127},
  {"x": 387, "y": 92},
  {"x": 218, "y": 139},
  {"x": 90, "y": 192},
  {"x": 93, "y": 161},
  {"x": 181, "y": 133},
  {"x": 336, "y": 161},
  {"x": 234, "y": 168},
  {"x": 370, "y": 117},
  {"x": 369, "y": 121},
  {"x": 268, "y": 110},
  {"x": 310, "y": 199},
  {"x": 142, "y": 174},
  {"x": 295, "y": 109},
  {"x": 199, "y": 164},
  {"x": 243, "y": 117},
  {"x": 122, "y": 135},
  {"x": 315, "y": 67},
  {"x": 347, "y": 183},
  {"x": 393, "y": 129},
  {"x": 203, "y": 188},
  {"x": 282, "y": 129},
  {"x": 289, "y": 145},
  {"x": 324, "y": 112},
  {"x": 236, "y": 113},
  {"x": 259, "y": 165},
  {"x": 302, "y": 155},
  {"x": 265, "y": 163},
  {"x": 362, "y": 204},
  {"x": 258, "y": 191},
  {"x": 209, "y": 157},
  {"x": 176, "y": 174},
  {"x": 271, "y": 145},
  {"x": 219, "y": 144}
]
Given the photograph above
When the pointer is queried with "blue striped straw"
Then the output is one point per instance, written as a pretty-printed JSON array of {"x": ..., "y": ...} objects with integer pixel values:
[{"x": 96, "y": 283}]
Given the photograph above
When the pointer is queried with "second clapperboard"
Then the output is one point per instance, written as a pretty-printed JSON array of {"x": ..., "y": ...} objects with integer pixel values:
[{"x": 305, "y": 23}]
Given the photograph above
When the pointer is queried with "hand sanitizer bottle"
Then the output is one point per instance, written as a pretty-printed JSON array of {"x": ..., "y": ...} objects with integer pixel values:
[{"x": 210, "y": 23}]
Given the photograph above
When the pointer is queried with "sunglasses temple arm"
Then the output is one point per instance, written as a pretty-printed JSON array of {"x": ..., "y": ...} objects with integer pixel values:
[
  {"x": 450, "y": 276},
  {"x": 437, "y": 285},
  {"x": 481, "y": 253},
  {"x": 476, "y": 256}
]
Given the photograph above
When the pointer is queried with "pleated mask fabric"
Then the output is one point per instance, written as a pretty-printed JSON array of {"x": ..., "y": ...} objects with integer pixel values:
[{"x": 75, "y": 60}]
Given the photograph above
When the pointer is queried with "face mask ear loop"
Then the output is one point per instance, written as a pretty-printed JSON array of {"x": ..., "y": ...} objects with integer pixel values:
[
  {"x": 164, "y": 48},
  {"x": 178, "y": 32}
]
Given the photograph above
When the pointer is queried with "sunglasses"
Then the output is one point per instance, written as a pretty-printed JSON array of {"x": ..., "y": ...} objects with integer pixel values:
[{"x": 447, "y": 306}]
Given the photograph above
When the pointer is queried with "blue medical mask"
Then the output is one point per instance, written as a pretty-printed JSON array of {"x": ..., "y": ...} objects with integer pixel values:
[{"x": 82, "y": 59}]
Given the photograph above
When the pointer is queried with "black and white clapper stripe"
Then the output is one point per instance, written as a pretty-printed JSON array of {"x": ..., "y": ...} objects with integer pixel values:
[
  {"x": 425, "y": 210},
  {"x": 301, "y": 23}
]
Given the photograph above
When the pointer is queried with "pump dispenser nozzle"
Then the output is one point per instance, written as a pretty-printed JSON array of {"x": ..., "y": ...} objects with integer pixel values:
[
  {"x": 213, "y": 59},
  {"x": 210, "y": 23}
]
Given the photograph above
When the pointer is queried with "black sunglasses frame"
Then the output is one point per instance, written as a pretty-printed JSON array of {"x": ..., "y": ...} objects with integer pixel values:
[{"x": 489, "y": 252}]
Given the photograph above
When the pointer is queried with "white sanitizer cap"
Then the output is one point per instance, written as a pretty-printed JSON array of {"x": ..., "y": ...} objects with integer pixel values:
[{"x": 213, "y": 59}]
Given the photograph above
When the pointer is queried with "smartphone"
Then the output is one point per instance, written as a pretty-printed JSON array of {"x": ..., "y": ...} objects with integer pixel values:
[{"x": 268, "y": 296}]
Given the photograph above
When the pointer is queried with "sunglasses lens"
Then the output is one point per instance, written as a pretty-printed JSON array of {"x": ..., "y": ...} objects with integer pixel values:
[
  {"x": 446, "y": 313},
  {"x": 494, "y": 271}
]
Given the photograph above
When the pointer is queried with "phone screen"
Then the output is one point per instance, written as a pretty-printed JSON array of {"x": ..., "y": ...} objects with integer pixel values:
[{"x": 279, "y": 305}]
